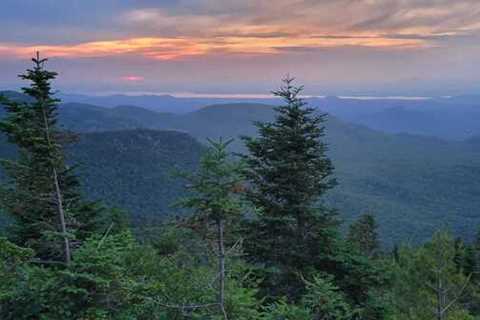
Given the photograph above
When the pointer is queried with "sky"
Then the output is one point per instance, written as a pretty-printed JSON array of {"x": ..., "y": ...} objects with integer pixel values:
[{"x": 336, "y": 47}]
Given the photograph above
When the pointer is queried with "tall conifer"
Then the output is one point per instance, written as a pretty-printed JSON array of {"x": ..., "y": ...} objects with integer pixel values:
[
  {"x": 42, "y": 192},
  {"x": 289, "y": 171}
]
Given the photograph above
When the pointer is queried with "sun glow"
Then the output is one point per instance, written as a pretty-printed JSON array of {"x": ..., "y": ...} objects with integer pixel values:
[
  {"x": 131, "y": 78},
  {"x": 175, "y": 48}
]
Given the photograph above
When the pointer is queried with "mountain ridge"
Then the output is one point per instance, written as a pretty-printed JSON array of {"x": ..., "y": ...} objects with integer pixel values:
[{"x": 411, "y": 183}]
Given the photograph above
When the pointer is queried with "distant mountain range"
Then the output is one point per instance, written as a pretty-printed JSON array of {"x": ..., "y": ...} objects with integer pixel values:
[
  {"x": 413, "y": 184},
  {"x": 159, "y": 103},
  {"x": 452, "y": 118},
  {"x": 456, "y": 118}
]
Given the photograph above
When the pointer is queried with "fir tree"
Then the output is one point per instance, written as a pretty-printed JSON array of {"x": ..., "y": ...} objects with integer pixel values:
[
  {"x": 476, "y": 256},
  {"x": 363, "y": 235},
  {"x": 288, "y": 171},
  {"x": 217, "y": 205},
  {"x": 42, "y": 192}
]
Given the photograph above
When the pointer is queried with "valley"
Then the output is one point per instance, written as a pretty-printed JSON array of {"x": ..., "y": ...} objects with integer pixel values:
[{"x": 412, "y": 184}]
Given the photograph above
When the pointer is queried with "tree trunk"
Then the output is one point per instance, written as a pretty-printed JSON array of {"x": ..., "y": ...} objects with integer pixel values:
[
  {"x": 221, "y": 267},
  {"x": 58, "y": 194},
  {"x": 440, "y": 298},
  {"x": 68, "y": 255}
]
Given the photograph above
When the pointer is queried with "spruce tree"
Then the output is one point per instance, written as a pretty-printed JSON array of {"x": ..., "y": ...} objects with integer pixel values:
[
  {"x": 363, "y": 235},
  {"x": 217, "y": 206},
  {"x": 42, "y": 194},
  {"x": 288, "y": 172}
]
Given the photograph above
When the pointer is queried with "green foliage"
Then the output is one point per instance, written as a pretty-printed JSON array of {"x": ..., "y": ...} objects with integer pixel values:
[
  {"x": 322, "y": 300},
  {"x": 216, "y": 205},
  {"x": 363, "y": 235},
  {"x": 11, "y": 254},
  {"x": 185, "y": 275},
  {"x": 242, "y": 302},
  {"x": 135, "y": 170},
  {"x": 467, "y": 260},
  {"x": 413, "y": 184},
  {"x": 427, "y": 282},
  {"x": 362, "y": 280},
  {"x": 114, "y": 277},
  {"x": 215, "y": 188},
  {"x": 96, "y": 281},
  {"x": 195, "y": 268},
  {"x": 42, "y": 193},
  {"x": 288, "y": 171},
  {"x": 282, "y": 310},
  {"x": 325, "y": 299}
]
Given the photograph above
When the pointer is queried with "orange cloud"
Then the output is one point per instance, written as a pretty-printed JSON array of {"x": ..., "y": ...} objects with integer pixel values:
[
  {"x": 175, "y": 48},
  {"x": 159, "y": 48}
]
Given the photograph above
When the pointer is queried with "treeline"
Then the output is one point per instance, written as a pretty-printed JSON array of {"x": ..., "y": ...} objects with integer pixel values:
[{"x": 257, "y": 244}]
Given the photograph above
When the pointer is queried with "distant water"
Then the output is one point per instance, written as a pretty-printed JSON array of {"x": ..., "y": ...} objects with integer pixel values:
[
  {"x": 384, "y": 98},
  {"x": 253, "y": 95}
]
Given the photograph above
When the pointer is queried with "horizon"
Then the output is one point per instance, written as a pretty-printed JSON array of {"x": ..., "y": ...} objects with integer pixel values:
[
  {"x": 345, "y": 48},
  {"x": 241, "y": 96},
  {"x": 234, "y": 96}
]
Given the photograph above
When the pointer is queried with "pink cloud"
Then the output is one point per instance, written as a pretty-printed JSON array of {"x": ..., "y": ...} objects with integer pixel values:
[{"x": 132, "y": 78}]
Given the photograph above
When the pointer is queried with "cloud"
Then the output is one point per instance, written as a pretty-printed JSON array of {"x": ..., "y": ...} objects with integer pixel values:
[
  {"x": 91, "y": 28},
  {"x": 177, "y": 48},
  {"x": 423, "y": 23},
  {"x": 155, "y": 48},
  {"x": 132, "y": 78},
  {"x": 220, "y": 42}
]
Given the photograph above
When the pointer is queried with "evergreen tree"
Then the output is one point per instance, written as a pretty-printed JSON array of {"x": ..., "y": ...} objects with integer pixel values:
[
  {"x": 466, "y": 261},
  {"x": 42, "y": 193},
  {"x": 465, "y": 257},
  {"x": 288, "y": 171},
  {"x": 363, "y": 235},
  {"x": 427, "y": 283},
  {"x": 216, "y": 205},
  {"x": 475, "y": 247}
]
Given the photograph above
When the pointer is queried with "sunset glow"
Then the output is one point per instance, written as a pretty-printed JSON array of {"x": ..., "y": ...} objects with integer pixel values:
[
  {"x": 132, "y": 78},
  {"x": 175, "y": 48},
  {"x": 183, "y": 45}
]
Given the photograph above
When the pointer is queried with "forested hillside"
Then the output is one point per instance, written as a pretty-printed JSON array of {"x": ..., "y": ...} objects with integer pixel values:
[
  {"x": 412, "y": 184},
  {"x": 136, "y": 170}
]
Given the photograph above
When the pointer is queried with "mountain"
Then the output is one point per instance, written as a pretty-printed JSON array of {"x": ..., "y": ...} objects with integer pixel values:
[
  {"x": 132, "y": 169},
  {"x": 164, "y": 103},
  {"x": 413, "y": 184},
  {"x": 14, "y": 95},
  {"x": 85, "y": 117},
  {"x": 81, "y": 117},
  {"x": 453, "y": 123},
  {"x": 225, "y": 121},
  {"x": 159, "y": 103},
  {"x": 456, "y": 118},
  {"x": 452, "y": 118},
  {"x": 135, "y": 169}
]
